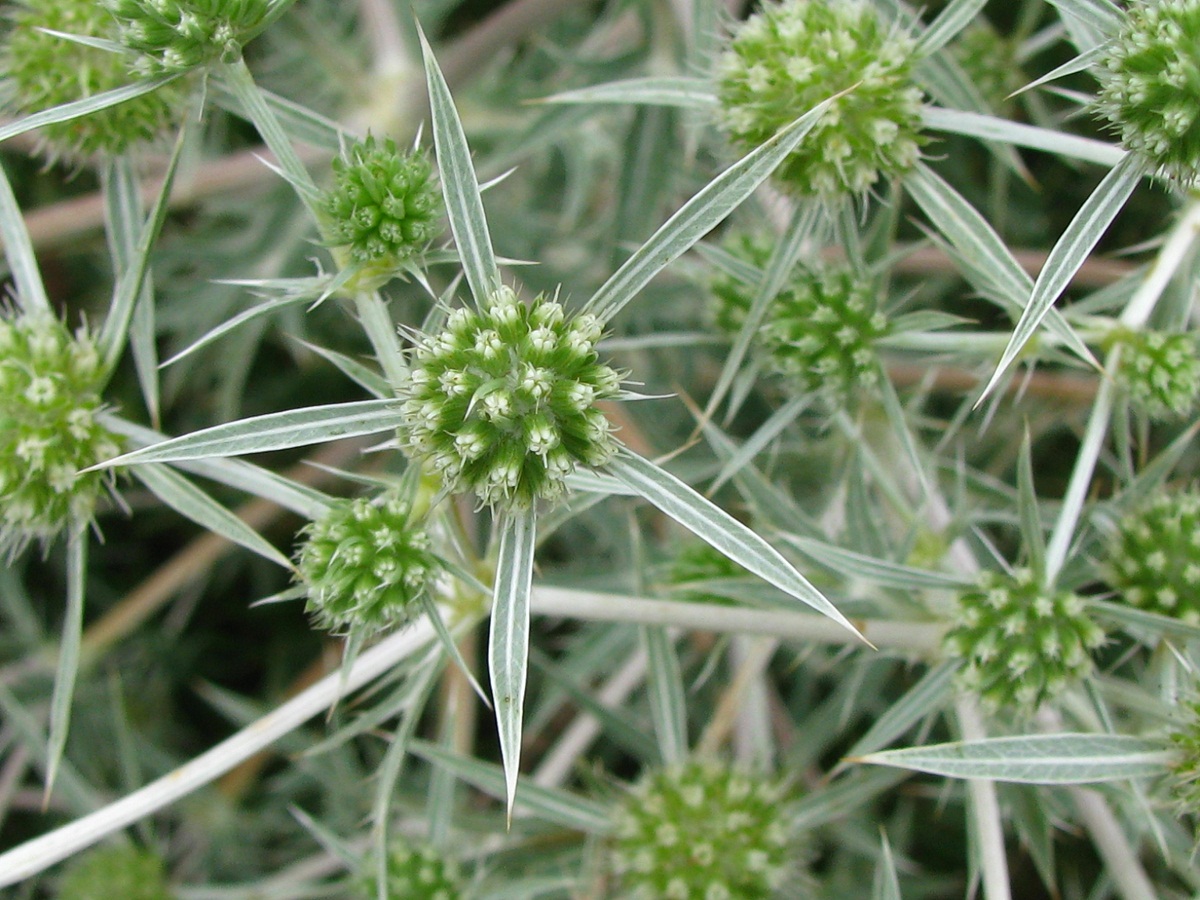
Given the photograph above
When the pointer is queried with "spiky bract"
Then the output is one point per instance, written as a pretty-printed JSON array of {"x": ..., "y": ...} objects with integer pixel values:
[
  {"x": 171, "y": 36},
  {"x": 788, "y": 58},
  {"x": 1154, "y": 561},
  {"x": 702, "y": 830},
  {"x": 418, "y": 872},
  {"x": 365, "y": 564},
  {"x": 1021, "y": 644},
  {"x": 1160, "y": 372},
  {"x": 502, "y": 402},
  {"x": 122, "y": 871}
]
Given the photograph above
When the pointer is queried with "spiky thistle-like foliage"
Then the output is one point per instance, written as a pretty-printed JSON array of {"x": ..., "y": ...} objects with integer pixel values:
[
  {"x": 1021, "y": 644},
  {"x": 1154, "y": 560},
  {"x": 789, "y": 57},
  {"x": 173, "y": 36},
  {"x": 503, "y": 402}
]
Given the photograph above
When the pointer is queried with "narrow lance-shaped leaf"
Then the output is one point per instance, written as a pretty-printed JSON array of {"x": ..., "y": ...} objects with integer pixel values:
[
  {"x": 993, "y": 128},
  {"x": 460, "y": 187},
  {"x": 1089, "y": 22},
  {"x": 68, "y": 652},
  {"x": 722, "y": 531},
  {"x": 274, "y": 431},
  {"x": 887, "y": 881},
  {"x": 77, "y": 108},
  {"x": 664, "y": 90},
  {"x": 1036, "y": 759},
  {"x": 508, "y": 642},
  {"x": 668, "y": 706},
  {"x": 699, "y": 215},
  {"x": 18, "y": 248},
  {"x": 956, "y": 16},
  {"x": 1027, "y": 509},
  {"x": 1069, "y": 254}
]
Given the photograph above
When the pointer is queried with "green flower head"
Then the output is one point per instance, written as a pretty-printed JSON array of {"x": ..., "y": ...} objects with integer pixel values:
[
  {"x": 118, "y": 871},
  {"x": 382, "y": 209},
  {"x": 1150, "y": 79},
  {"x": 1154, "y": 560},
  {"x": 1021, "y": 644},
  {"x": 50, "y": 383},
  {"x": 48, "y": 71},
  {"x": 418, "y": 872},
  {"x": 1160, "y": 372},
  {"x": 702, "y": 831},
  {"x": 365, "y": 564},
  {"x": 788, "y": 58},
  {"x": 173, "y": 36},
  {"x": 503, "y": 402}
]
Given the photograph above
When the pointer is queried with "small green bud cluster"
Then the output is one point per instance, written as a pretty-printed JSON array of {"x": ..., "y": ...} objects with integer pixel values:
[
  {"x": 697, "y": 562},
  {"x": 503, "y": 402},
  {"x": 1160, "y": 372},
  {"x": 1150, "y": 79},
  {"x": 382, "y": 209},
  {"x": 365, "y": 564},
  {"x": 1021, "y": 644},
  {"x": 701, "y": 831},
  {"x": 121, "y": 871},
  {"x": 50, "y": 383},
  {"x": 419, "y": 873},
  {"x": 820, "y": 330},
  {"x": 1185, "y": 770},
  {"x": 48, "y": 71},
  {"x": 1155, "y": 558},
  {"x": 175, "y": 36},
  {"x": 788, "y": 58}
]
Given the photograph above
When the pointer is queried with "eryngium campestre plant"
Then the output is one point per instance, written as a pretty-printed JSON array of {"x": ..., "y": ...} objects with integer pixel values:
[
  {"x": 1022, "y": 644},
  {"x": 701, "y": 830},
  {"x": 382, "y": 208},
  {"x": 50, "y": 384},
  {"x": 173, "y": 36},
  {"x": 48, "y": 71},
  {"x": 123, "y": 871},
  {"x": 1154, "y": 561},
  {"x": 503, "y": 402},
  {"x": 1160, "y": 372},
  {"x": 365, "y": 564},
  {"x": 1150, "y": 79},
  {"x": 418, "y": 873},
  {"x": 788, "y": 58}
]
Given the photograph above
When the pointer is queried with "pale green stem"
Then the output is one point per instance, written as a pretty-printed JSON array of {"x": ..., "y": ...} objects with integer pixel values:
[
  {"x": 1135, "y": 315},
  {"x": 912, "y": 637},
  {"x": 985, "y": 810},
  {"x": 1120, "y": 861},
  {"x": 377, "y": 323},
  {"x": 984, "y": 344},
  {"x": 42, "y": 852}
]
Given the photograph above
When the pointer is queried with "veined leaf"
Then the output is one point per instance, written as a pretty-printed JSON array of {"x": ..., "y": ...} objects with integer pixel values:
[
  {"x": 956, "y": 16},
  {"x": 18, "y": 248},
  {"x": 1035, "y": 759},
  {"x": 722, "y": 531},
  {"x": 67, "y": 668},
  {"x": 992, "y": 128},
  {"x": 1089, "y": 22},
  {"x": 665, "y": 90},
  {"x": 77, "y": 108},
  {"x": 926, "y": 697}
]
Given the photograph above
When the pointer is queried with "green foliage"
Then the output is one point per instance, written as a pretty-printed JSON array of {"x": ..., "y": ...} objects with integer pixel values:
[
  {"x": 503, "y": 401},
  {"x": 50, "y": 382},
  {"x": 124, "y": 871},
  {"x": 171, "y": 36},
  {"x": 1154, "y": 561},
  {"x": 791, "y": 56},
  {"x": 1150, "y": 78},
  {"x": 1160, "y": 372},
  {"x": 1185, "y": 782},
  {"x": 703, "y": 830},
  {"x": 48, "y": 71}
]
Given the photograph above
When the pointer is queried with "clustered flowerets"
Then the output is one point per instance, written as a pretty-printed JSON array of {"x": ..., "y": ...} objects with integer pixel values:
[
  {"x": 502, "y": 402},
  {"x": 420, "y": 873},
  {"x": 1022, "y": 644},
  {"x": 1160, "y": 372},
  {"x": 1155, "y": 558},
  {"x": 789, "y": 57},
  {"x": 50, "y": 384},
  {"x": 174, "y": 36},
  {"x": 701, "y": 831}
]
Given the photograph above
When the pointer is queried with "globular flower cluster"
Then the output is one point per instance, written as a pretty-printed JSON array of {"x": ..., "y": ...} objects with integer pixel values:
[
  {"x": 503, "y": 401},
  {"x": 50, "y": 384},
  {"x": 175, "y": 36},
  {"x": 365, "y": 564},
  {"x": 419, "y": 873},
  {"x": 1155, "y": 558},
  {"x": 1185, "y": 771},
  {"x": 702, "y": 830},
  {"x": 1022, "y": 644},
  {"x": 820, "y": 330},
  {"x": 48, "y": 71},
  {"x": 382, "y": 209},
  {"x": 1160, "y": 372},
  {"x": 121, "y": 871},
  {"x": 1150, "y": 78},
  {"x": 786, "y": 59}
]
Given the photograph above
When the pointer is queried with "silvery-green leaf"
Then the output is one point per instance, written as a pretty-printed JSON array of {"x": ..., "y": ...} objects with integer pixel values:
[
  {"x": 66, "y": 668},
  {"x": 668, "y": 706},
  {"x": 508, "y": 641},
  {"x": 77, "y": 108},
  {"x": 954, "y": 17},
  {"x": 1035, "y": 759},
  {"x": 722, "y": 531},
  {"x": 992, "y": 128},
  {"x": 774, "y": 426},
  {"x": 31, "y": 293},
  {"x": 1033, "y": 535},
  {"x": 887, "y": 882},
  {"x": 368, "y": 379},
  {"x": 699, "y": 215},
  {"x": 1154, "y": 623},
  {"x": 460, "y": 186},
  {"x": 299, "y": 122},
  {"x": 878, "y": 571},
  {"x": 451, "y": 647},
  {"x": 664, "y": 90},
  {"x": 1089, "y": 22},
  {"x": 192, "y": 503},
  {"x": 1069, "y": 254},
  {"x": 274, "y": 431},
  {"x": 1081, "y": 63},
  {"x": 925, "y": 698}
]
